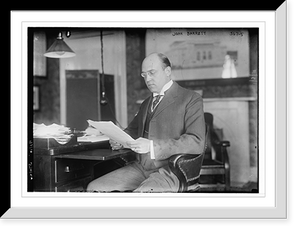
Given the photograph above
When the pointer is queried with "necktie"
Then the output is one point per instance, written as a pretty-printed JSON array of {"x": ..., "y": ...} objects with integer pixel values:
[{"x": 156, "y": 101}]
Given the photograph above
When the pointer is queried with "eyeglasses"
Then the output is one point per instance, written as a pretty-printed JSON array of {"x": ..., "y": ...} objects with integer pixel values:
[{"x": 151, "y": 73}]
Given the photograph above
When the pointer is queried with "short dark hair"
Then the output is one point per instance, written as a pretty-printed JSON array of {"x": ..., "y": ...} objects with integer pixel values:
[{"x": 164, "y": 60}]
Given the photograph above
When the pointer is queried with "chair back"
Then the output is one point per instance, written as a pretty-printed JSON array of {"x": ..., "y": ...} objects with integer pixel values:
[
  {"x": 208, "y": 117},
  {"x": 212, "y": 136}
]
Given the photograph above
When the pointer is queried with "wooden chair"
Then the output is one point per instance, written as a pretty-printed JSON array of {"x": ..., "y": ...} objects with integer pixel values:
[
  {"x": 187, "y": 168},
  {"x": 215, "y": 171},
  {"x": 191, "y": 168}
]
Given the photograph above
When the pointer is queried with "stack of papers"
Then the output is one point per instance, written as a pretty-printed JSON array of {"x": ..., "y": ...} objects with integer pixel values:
[
  {"x": 60, "y": 133},
  {"x": 92, "y": 138}
]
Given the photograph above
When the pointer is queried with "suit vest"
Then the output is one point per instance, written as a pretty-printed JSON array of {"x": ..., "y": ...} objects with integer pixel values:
[
  {"x": 145, "y": 159},
  {"x": 147, "y": 122}
]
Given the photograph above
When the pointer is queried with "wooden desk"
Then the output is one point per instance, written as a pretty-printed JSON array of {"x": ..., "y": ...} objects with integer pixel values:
[
  {"x": 97, "y": 154},
  {"x": 70, "y": 169}
]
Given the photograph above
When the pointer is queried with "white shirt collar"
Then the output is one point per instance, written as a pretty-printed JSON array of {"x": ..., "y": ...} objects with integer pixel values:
[{"x": 164, "y": 88}]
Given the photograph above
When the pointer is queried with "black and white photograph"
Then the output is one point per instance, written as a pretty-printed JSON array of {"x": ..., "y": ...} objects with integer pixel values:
[
  {"x": 148, "y": 115},
  {"x": 144, "y": 110}
]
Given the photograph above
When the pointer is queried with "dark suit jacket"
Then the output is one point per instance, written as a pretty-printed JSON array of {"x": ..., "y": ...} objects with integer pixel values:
[{"x": 177, "y": 125}]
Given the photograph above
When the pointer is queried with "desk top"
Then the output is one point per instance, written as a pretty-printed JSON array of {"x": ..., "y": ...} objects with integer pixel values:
[
  {"x": 97, "y": 154},
  {"x": 86, "y": 151},
  {"x": 72, "y": 148}
]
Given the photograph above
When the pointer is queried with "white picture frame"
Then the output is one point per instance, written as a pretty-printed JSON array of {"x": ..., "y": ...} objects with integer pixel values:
[{"x": 270, "y": 204}]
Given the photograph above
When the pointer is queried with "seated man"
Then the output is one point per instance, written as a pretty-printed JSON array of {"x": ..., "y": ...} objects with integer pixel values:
[{"x": 169, "y": 122}]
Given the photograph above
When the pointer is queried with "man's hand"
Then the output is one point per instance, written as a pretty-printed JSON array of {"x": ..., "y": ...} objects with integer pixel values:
[
  {"x": 140, "y": 145},
  {"x": 115, "y": 145}
]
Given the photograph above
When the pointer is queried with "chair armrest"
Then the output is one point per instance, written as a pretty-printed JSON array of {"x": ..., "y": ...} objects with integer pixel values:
[
  {"x": 175, "y": 159},
  {"x": 225, "y": 157},
  {"x": 226, "y": 165},
  {"x": 224, "y": 143},
  {"x": 221, "y": 149},
  {"x": 187, "y": 168}
]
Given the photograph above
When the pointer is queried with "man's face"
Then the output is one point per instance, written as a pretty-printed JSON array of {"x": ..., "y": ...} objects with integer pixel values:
[{"x": 153, "y": 73}]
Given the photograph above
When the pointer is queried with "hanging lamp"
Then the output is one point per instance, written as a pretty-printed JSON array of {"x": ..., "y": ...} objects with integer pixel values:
[
  {"x": 103, "y": 98},
  {"x": 59, "y": 49}
]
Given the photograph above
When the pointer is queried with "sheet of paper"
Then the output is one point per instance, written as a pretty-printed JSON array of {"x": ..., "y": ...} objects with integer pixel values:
[
  {"x": 92, "y": 138},
  {"x": 112, "y": 131}
]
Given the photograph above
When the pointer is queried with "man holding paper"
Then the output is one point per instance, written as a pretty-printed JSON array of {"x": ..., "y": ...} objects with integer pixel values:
[{"x": 169, "y": 122}]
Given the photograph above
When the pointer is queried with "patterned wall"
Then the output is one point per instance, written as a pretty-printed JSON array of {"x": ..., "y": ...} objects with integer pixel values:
[{"x": 136, "y": 87}]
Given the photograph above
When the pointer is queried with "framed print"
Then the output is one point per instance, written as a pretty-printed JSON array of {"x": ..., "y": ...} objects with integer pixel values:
[
  {"x": 208, "y": 53},
  {"x": 39, "y": 60},
  {"x": 223, "y": 73}
]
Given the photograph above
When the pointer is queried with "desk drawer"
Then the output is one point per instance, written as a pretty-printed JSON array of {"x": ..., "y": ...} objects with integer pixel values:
[
  {"x": 78, "y": 185},
  {"x": 71, "y": 169}
]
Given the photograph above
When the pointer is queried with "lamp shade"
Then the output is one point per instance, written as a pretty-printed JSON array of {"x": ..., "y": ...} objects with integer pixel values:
[{"x": 59, "y": 49}]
